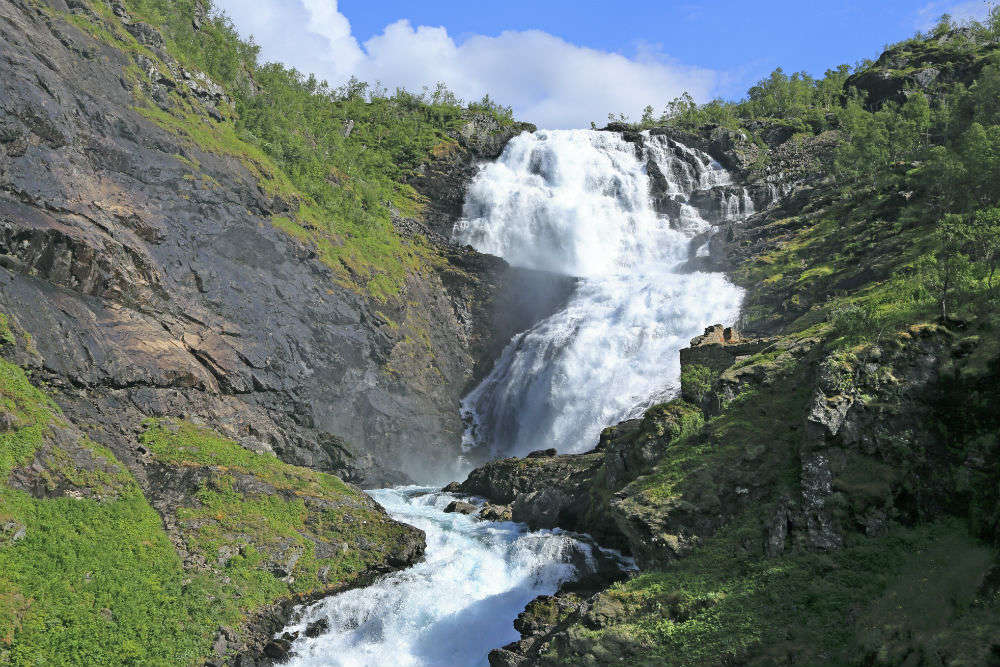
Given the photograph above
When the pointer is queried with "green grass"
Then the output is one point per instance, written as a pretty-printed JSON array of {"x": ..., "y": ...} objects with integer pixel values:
[
  {"x": 724, "y": 604},
  {"x": 756, "y": 435},
  {"x": 31, "y": 412},
  {"x": 253, "y": 510},
  {"x": 186, "y": 444},
  {"x": 96, "y": 583},
  {"x": 95, "y": 580},
  {"x": 83, "y": 583}
]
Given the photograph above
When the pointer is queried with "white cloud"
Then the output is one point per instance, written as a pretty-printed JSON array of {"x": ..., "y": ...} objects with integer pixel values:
[
  {"x": 928, "y": 15},
  {"x": 547, "y": 80}
]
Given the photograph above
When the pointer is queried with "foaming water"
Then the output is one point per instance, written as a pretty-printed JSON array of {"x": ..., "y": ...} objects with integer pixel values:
[
  {"x": 454, "y": 607},
  {"x": 578, "y": 202}
]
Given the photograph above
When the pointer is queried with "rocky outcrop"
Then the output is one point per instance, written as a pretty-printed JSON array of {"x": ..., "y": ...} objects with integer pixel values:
[
  {"x": 444, "y": 181},
  {"x": 576, "y": 491},
  {"x": 720, "y": 347},
  {"x": 732, "y": 148},
  {"x": 930, "y": 66}
]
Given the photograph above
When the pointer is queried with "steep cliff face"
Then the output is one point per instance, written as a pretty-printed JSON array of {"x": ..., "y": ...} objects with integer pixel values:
[{"x": 157, "y": 280}]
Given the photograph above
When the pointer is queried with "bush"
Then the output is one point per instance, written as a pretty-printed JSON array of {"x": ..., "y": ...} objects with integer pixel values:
[{"x": 696, "y": 383}]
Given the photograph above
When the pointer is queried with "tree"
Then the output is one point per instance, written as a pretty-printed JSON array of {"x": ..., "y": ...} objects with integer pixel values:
[
  {"x": 910, "y": 130},
  {"x": 647, "y": 115},
  {"x": 947, "y": 267},
  {"x": 866, "y": 150},
  {"x": 985, "y": 236},
  {"x": 980, "y": 151}
]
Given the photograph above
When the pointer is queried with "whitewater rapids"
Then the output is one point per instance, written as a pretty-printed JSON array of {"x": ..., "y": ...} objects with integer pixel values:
[{"x": 454, "y": 607}]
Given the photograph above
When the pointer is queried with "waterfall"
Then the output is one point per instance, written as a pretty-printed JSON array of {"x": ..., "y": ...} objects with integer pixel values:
[
  {"x": 631, "y": 224},
  {"x": 622, "y": 218}
]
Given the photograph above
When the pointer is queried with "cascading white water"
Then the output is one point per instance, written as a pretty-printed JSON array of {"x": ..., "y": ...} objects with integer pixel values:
[
  {"x": 578, "y": 202},
  {"x": 454, "y": 607}
]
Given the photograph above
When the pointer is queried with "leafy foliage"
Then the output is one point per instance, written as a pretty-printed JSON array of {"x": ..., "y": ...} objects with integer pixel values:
[
  {"x": 696, "y": 382},
  {"x": 340, "y": 157}
]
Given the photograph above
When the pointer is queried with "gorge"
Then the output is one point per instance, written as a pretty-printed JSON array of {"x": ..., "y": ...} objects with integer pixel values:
[
  {"x": 580, "y": 204},
  {"x": 711, "y": 388}
]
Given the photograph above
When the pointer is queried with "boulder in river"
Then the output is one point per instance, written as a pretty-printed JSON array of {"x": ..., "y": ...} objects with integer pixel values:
[{"x": 460, "y": 507}]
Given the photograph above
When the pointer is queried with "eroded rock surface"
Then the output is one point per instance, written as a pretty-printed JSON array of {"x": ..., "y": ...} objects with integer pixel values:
[{"x": 151, "y": 290}]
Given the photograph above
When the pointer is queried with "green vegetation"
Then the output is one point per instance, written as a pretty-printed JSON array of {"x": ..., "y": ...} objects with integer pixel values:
[
  {"x": 910, "y": 593},
  {"x": 338, "y": 157},
  {"x": 889, "y": 253},
  {"x": 696, "y": 382},
  {"x": 272, "y": 528},
  {"x": 748, "y": 440},
  {"x": 82, "y": 581},
  {"x": 185, "y": 444},
  {"x": 89, "y": 576}
]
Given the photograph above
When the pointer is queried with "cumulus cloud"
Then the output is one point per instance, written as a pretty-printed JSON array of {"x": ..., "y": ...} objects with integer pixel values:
[{"x": 547, "y": 80}]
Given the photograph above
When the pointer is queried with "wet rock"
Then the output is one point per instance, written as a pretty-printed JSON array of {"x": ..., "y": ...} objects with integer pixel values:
[
  {"x": 542, "y": 508},
  {"x": 409, "y": 551},
  {"x": 316, "y": 628},
  {"x": 491, "y": 512},
  {"x": 542, "y": 453},
  {"x": 460, "y": 507},
  {"x": 279, "y": 649}
]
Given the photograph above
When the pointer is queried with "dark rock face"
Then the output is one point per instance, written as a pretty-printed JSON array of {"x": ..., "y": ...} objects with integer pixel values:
[
  {"x": 930, "y": 66},
  {"x": 491, "y": 512},
  {"x": 316, "y": 628},
  {"x": 731, "y": 148},
  {"x": 149, "y": 293}
]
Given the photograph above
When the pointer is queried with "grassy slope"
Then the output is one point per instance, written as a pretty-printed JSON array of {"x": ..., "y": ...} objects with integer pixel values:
[
  {"x": 724, "y": 605},
  {"x": 94, "y": 579},
  {"x": 82, "y": 583},
  {"x": 919, "y": 591}
]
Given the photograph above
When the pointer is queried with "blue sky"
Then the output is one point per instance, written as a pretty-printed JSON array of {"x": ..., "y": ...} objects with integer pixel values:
[
  {"x": 563, "y": 63},
  {"x": 747, "y": 39}
]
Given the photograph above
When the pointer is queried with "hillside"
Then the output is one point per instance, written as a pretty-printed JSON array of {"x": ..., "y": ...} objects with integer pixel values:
[
  {"x": 824, "y": 489},
  {"x": 229, "y": 301}
]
